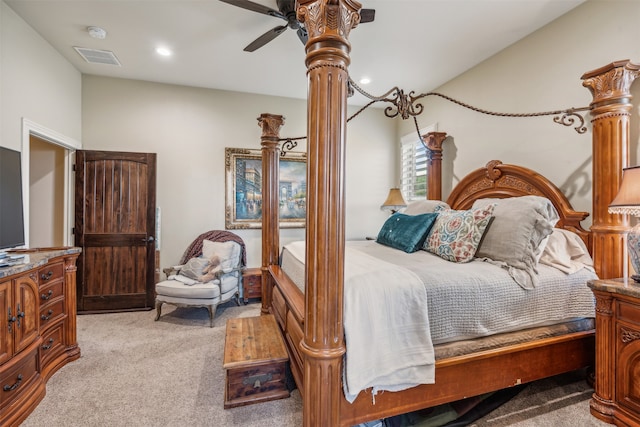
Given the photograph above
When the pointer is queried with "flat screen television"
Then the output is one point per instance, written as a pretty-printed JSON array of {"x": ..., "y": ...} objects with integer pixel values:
[{"x": 11, "y": 211}]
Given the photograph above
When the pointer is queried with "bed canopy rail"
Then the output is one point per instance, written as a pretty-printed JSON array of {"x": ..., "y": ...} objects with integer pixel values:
[{"x": 329, "y": 23}]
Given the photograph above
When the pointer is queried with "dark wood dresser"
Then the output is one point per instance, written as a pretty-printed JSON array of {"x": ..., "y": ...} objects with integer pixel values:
[
  {"x": 617, "y": 388},
  {"x": 38, "y": 327}
]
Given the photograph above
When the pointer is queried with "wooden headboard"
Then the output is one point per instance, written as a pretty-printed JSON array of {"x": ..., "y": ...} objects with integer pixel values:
[{"x": 498, "y": 180}]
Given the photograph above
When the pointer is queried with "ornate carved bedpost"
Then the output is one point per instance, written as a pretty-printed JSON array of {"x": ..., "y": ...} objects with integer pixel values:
[
  {"x": 601, "y": 403},
  {"x": 328, "y": 23},
  {"x": 433, "y": 141},
  {"x": 610, "y": 87},
  {"x": 270, "y": 125}
]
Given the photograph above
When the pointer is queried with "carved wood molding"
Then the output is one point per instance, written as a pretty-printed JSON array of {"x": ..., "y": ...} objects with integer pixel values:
[
  {"x": 603, "y": 305},
  {"x": 628, "y": 335}
]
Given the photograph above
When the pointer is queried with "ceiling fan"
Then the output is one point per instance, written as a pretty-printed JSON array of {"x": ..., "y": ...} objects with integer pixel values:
[{"x": 286, "y": 11}]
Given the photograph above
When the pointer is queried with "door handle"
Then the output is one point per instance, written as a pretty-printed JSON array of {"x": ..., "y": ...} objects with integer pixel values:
[{"x": 147, "y": 239}]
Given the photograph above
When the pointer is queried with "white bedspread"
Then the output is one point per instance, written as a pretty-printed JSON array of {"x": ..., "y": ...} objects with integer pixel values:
[{"x": 390, "y": 303}]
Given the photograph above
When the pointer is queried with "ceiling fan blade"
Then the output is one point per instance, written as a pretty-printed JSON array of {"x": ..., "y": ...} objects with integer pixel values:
[
  {"x": 265, "y": 38},
  {"x": 302, "y": 35},
  {"x": 366, "y": 15},
  {"x": 255, "y": 7}
]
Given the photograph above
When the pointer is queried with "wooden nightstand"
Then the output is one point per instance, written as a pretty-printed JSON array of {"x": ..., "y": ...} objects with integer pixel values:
[
  {"x": 617, "y": 389},
  {"x": 251, "y": 283}
]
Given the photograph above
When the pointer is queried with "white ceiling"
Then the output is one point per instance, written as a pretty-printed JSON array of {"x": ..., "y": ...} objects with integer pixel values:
[{"x": 415, "y": 44}]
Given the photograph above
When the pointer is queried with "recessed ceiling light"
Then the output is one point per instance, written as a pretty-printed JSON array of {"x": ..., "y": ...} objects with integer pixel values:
[
  {"x": 163, "y": 51},
  {"x": 365, "y": 81}
]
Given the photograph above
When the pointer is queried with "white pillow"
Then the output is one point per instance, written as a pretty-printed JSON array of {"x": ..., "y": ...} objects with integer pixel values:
[
  {"x": 519, "y": 226},
  {"x": 423, "y": 206},
  {"x": 229, "y": 253},
  {"x": 567, "y": 252}
]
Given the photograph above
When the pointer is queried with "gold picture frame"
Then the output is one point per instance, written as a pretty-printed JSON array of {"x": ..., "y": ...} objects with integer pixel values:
[{"x": 243, "y": 189}]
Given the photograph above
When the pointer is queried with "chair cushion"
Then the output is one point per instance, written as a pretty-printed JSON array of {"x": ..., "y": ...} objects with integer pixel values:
[
  {"x": 174, "y": 288},
  {"x": 230, "y": 281}
]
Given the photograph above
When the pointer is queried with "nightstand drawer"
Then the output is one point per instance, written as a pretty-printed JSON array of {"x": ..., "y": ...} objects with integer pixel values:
[
  {"x": 629, "y": 312},
  {"x": 251, "y": 283}
]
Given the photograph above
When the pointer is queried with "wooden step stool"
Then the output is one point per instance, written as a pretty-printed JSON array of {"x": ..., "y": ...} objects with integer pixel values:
[{"x": 255, "y": 360}]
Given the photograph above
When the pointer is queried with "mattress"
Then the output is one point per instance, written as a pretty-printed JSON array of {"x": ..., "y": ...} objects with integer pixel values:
[{"x": 477, "y": 299}]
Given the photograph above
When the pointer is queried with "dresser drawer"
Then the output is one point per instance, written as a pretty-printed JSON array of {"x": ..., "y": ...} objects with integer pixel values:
[
  {"x": 52, "y": 345},
  {"x": 18, "y": 377},
  {"x": 50, "y": 273},
  {"x": 51, "y": 291},
  {"x": 51, "y": 312}
]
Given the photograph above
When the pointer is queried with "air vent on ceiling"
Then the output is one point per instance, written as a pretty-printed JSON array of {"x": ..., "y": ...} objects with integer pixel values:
[{"x": 95, "y": 56}]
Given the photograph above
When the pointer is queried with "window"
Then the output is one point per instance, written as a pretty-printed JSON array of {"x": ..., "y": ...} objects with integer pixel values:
[{"x": 413, "y": 167}]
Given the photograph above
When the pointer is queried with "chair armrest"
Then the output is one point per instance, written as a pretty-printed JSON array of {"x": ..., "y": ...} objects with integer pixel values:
[
  {"x": 169, "y": 271},
  {"x": 221, "y": 273}
]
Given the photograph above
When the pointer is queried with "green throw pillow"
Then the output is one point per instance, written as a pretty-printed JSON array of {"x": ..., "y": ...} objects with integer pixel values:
[{"x": 406, "y": 232}]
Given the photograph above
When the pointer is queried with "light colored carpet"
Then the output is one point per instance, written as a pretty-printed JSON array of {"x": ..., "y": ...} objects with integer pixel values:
[{"x": 138, "y": 372}]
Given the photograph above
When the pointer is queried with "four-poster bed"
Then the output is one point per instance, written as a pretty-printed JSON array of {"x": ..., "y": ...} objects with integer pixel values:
[{"x": 312, "y": 322}]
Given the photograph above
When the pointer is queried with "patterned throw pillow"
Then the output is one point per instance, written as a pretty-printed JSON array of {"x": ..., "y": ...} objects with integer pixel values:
[{"x": 456, "y": 235}]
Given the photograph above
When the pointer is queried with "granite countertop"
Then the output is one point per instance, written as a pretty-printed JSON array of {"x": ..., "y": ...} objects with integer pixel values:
[
  {"x": 34, "y": 258},
  {"x": 617, "y": 286}
]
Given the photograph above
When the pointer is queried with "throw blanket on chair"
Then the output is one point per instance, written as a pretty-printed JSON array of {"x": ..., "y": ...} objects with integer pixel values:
[{"x": 195, "y": 248}]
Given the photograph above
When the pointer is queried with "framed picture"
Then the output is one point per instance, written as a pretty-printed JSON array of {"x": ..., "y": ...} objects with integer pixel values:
[{"x": 243, "y": 182}]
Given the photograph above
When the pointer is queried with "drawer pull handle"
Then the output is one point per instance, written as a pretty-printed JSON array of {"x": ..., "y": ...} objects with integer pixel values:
[
  {"x": 49, "y": 313},
  {"x": 48, "y": 345},
  {"x": 47, "y": 295},
  {"x": 8, "y": 387},
  {"x": 46, "y": 276},
  {"x": 20, "y": 315},
  {"x": 257, "y": 380}
]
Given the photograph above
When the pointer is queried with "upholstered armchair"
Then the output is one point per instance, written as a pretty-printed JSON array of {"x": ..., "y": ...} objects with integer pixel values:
[{"x": 209, "y": 274}]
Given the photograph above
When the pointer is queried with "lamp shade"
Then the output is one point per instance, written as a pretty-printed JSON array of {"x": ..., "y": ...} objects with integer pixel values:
[
  {"x": 627, "y": 201},
  {"x": 394, "y": 201}
]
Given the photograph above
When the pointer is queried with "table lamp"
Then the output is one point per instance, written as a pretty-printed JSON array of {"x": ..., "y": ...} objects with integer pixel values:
[
  {"x": 394, "y": 201},
  {"x": 627, "y": 202}
]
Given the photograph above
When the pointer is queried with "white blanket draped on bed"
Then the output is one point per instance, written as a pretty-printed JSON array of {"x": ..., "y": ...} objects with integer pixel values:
[{"x": 388, "y": 302}]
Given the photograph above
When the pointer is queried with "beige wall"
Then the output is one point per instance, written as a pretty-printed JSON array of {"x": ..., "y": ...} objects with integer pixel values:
[
  {"x": 189, "y": 129},
  {"x": 46, "y": 189},
  {"x": 540, "y": 73},
  {"x": 36, "y": 83}
]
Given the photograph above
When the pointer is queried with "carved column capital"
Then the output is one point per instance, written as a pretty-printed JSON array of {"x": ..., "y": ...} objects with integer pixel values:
[
  {"x": 434, "y": 140},
  {"x": 611, "y": 84},
  {"x": 329, "y": 17},
  {"x": 270, "y": 125}
]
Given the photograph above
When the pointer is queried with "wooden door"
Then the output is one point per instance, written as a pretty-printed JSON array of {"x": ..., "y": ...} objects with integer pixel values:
[{"x": 115, "y": 198}]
